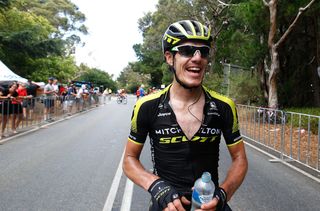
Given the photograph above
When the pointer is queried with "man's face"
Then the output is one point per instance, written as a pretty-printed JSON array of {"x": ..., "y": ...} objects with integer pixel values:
[
  {"x": 50, "y": 81},
  {"x": 190, "y": 64}
]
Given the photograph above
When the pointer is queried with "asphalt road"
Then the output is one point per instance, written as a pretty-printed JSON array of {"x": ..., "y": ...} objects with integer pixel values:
[{"x": 74, "y": 165}]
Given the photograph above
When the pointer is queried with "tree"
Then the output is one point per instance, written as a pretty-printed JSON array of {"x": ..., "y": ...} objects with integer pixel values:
[
  {"x": 131, "y": 80},
  {"x": 274, "y": 46},
  {"x": 97, "y": 77},
  {"x": 33, "y": 31}
]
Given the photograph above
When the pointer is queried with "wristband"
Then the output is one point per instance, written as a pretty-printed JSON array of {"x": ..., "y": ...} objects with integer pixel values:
[
  {"x": 162, "y": 193},
  {"x": 221, "y": 195}
]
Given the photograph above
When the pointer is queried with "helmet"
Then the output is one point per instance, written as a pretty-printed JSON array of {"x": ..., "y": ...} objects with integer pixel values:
[{"x": 185, "y": 30}]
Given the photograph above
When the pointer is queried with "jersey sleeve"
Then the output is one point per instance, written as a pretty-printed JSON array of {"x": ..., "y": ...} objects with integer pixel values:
[
  {"x": 139, "y": 124},
  {"x": 231, "y": 132}
]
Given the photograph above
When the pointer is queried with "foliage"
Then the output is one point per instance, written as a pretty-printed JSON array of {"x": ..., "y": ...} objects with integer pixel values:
[
  {"x": 131, "y": 80},
  {"x": 37, "y": 38},
  {"x": 98, "y": 78},
  {"x": 240, "y": 33},
  {"x": 62, "y": 68}
]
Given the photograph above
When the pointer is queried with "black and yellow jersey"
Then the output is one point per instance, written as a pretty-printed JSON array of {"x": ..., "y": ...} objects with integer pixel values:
[{"x": 177, "y": 159}]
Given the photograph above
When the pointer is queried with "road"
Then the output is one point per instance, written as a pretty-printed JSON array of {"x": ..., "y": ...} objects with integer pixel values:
[{"x": 75, "y": 165}]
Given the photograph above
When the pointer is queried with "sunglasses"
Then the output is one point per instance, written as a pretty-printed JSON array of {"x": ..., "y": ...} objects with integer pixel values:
[{"x": 190, "y": 50}]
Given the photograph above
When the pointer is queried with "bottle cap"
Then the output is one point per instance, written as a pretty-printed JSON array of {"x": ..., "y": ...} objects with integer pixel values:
[{"x": 206, "y": 177}]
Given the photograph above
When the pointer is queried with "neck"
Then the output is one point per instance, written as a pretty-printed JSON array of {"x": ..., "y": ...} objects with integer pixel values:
[{"x": 185, "y": 95}]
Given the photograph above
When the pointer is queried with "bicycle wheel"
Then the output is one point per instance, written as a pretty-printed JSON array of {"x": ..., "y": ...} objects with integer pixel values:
[
  {"x": 124, "y": 100},
  {"x": 119, "y": 100}
]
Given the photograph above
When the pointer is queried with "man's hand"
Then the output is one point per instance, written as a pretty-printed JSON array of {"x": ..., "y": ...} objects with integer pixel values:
[
  {"x": 218, "y": 202},
  {"x": 165, "y": 195},
  {"x": 221, "y": 195}
]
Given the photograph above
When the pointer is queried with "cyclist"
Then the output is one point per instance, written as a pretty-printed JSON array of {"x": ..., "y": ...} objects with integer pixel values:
[
  {"x": 122, "y": 95},
  {"x": 185, "y": 122}
]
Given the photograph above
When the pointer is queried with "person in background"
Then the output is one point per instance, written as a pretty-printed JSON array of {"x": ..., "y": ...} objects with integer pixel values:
[
  {"x": 138, "y": 93},
  {"x": 70, "y": 98},
  {"x": 4, "y": 109},
  {"x": 56, "y": 93},
  {"x": 80, "y": 98},
  {"x": 16, "y": 107},
  {"x": 110, "y": 94},
  {"x": 31, "y": 91},
  {"x": 105, "y": 94},
  {"x": 24, "y": 97},
  {"x": 185, "y": 122},
  {"x": 49, "y": 95},
  {"x": 141, "y": 91}
]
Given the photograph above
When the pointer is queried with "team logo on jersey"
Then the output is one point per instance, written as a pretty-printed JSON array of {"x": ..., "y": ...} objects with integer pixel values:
[
  {"x": 168, "y": 131},
  {"x": 182, "y": 139},
  {"x": 164, "y": 114},
  {"x": 213, "y": 106}
]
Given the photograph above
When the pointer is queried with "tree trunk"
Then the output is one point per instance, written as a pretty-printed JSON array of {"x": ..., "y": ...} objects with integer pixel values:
[
  {"x": 272, "y": 79},
  {"x": 274, "y": 56},
  {"x": 274, "y": 46}
]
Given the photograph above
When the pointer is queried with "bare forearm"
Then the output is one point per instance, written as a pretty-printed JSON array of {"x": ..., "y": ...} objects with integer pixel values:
[
  {"x": 236, "y": 172},
  {"x": 137, "y": 173}
]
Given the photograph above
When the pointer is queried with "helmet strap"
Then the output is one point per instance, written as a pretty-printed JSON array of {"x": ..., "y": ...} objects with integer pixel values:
[{"x": 185, "y": 86}]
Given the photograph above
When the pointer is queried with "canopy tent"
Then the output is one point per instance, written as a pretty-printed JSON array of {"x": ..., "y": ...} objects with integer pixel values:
[{"x": 7, "y": 75}]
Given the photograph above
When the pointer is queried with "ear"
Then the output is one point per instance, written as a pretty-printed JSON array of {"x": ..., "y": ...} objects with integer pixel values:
[{"x": 169, "y": 58}]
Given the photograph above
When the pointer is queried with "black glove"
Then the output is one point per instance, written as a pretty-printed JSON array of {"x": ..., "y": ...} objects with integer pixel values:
[
  {"x": 221, "y": 195},
  {"x": 162, "y": 193}
]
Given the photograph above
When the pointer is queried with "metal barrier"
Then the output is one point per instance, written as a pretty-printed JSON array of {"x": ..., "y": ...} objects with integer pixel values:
[
  {"x": 294, "y": 136},
  {"x": 29, "y": 113}
]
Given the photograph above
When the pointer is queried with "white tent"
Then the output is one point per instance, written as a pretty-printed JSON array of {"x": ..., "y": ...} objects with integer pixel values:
[{"x": 7, "y": 75}]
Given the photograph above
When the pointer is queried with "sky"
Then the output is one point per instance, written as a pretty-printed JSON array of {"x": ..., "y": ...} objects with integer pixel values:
[{"x": 113, "y": 30}]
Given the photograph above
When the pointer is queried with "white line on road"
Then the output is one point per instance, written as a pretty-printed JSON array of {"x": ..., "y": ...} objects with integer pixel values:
[
  {"x": 114, "y": 187},
  {"x": 127, "y": 196}
]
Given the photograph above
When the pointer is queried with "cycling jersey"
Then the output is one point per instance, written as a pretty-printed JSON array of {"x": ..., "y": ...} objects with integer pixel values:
[{"x": 177, "y": 159}]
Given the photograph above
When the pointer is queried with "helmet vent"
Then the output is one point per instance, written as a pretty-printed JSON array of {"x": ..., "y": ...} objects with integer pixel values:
[{"x": 174, "y": 29}]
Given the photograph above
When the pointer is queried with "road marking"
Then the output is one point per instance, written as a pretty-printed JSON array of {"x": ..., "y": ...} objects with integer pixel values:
[
  {"x": 114, "y": 187},
  {"x": 127, "y": 196},
  {"x": 283, "y": 162}
]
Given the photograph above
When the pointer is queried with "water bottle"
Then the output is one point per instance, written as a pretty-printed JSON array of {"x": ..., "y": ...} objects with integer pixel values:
[{"x": 203, "y": 191}]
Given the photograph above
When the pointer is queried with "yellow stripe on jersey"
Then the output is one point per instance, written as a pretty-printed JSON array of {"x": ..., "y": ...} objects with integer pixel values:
[
  {"x": 237, "y": 142},
  {"x": 142, "y": 100},
  {"x": 230, "y": 102},
  {"x": 129, "y": 139}
]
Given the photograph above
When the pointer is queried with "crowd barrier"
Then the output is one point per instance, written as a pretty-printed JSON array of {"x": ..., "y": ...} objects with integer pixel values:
[
  {"x": 37, "y": 111},
  {"x": 293, "y": 136}
]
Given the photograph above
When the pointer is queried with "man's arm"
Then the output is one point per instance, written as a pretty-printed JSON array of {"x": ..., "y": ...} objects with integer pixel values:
[
  {"x": 235, "y": 175},
  {"x": 237, "y": 170},
  {"x": 137, "y": 173},
  {"x": 133, "y": 168}
]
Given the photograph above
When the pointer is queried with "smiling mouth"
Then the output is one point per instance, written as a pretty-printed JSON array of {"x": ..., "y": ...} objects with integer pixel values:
[{"x": 194, "y": 69}]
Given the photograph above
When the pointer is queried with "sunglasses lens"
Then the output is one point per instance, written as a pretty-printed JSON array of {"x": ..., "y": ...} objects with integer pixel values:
[{"x": 189, "y": 51}]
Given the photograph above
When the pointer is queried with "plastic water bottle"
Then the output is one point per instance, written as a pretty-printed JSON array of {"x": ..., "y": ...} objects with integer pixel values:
[{"x": 203, "y": 191}]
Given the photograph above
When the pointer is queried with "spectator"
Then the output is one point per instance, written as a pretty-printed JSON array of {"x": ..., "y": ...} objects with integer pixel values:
[
  {"x": 141, "y": 91},
  {"x": 23, "y": 97},
  {"x": 56, "y": 94},
  {"x": 70, "y": 97},
  {"x": 80, "y": 98},
  {"x": 138, "y": 93},
  {"x": 31, "y": 91},
  {"x": 4, "y": 109},
  {"x": 105, "y": 94},
  {"x": 49, "y": 94},
  {"x": 16, "y": 107}
]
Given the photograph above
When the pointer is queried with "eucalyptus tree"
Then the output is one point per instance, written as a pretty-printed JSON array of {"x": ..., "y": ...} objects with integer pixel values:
[{"x": 275, "y": 41}]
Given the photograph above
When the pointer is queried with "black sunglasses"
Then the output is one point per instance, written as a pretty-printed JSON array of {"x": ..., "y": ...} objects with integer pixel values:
[{"x": 190, "y": 50}]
